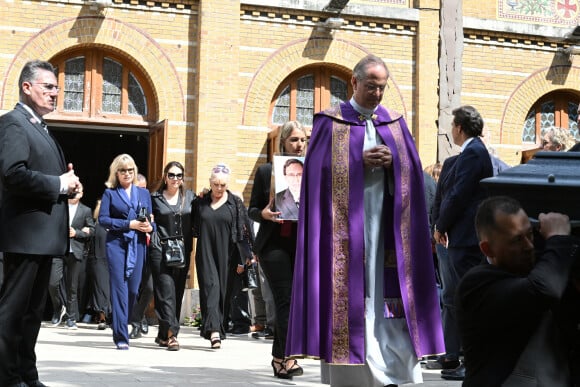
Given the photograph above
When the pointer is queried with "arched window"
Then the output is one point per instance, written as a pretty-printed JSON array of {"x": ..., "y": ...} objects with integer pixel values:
[
  {"x": 99, "y": 85},
  {"x": 305, "y": 92},
  {"x": 308, "y": 91},
  {"x": 558, "y": 108}
]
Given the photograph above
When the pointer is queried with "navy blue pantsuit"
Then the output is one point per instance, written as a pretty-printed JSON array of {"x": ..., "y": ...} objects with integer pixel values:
[{"x": 125, "y": 269}]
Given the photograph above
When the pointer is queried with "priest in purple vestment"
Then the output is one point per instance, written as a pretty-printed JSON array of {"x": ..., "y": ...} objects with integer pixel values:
[{"x": 364, "y": 284}]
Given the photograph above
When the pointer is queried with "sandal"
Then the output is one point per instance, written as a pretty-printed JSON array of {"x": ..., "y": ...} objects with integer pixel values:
[
  {"x": 172, "y": 344},
  {"x": 215, "y": 340},
  {"x": 216, "y": 343},
  {"x": 280, "y": 370},
  {"x": 294, "y": 370}
]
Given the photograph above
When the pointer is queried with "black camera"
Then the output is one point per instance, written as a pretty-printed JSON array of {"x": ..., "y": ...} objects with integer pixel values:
[{"x": 143, "y": 216}]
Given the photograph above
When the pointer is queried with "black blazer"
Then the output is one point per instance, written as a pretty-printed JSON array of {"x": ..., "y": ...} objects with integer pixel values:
[
  {"x": 444, "y": 184},
  {"x": 33, "y": 213},
  {"x": 258, "y": 201},
  {"x": 498, "y": 312},
  {"x": 83, "y": 218},
  {"x": 459, "y": 204}
]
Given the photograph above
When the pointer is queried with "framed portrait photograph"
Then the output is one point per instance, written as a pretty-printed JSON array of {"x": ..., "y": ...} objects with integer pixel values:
[{"x": 286, "y": 181}]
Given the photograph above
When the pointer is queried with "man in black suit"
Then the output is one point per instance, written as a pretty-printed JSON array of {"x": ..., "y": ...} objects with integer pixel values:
[
  {"x": 508, "y": 308},
  {"x": 454, "y": 226},
  {"x": 82, "y": 227},
  {"x": 35, "y": 183}
]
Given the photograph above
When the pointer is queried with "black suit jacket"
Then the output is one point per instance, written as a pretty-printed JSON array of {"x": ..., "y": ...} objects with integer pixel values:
[
  {"x": 498, "y": 312},
  {"x": 83, "y": 218},
  {"x": 33, "y": 213},
  {"x": 258, "y": 201},
  {"x": 459, "y": 205}
]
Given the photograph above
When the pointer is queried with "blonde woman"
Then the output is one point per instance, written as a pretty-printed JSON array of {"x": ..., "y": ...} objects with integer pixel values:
[
  {"x": 276, "y": 246},
  {"x": 126, "y": 214},
  {"x": 221, "y": 226}
]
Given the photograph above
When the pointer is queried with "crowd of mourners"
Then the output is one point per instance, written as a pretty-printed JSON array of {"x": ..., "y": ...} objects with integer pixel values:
[{"x": 349, "y": 252}]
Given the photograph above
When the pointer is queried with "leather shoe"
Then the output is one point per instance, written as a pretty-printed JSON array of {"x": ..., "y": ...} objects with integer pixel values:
[
  {"x": 442, "y": 363},
  {"x": 57, "y": 316},
  {"x": 135, "y": 332},
  {"x": 454, "y": 374},
  {"x": 144, "y": 327}
]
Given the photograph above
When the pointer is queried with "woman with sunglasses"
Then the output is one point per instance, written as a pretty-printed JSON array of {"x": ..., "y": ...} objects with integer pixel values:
[
  {"x": 126, "y": 214},
  {"x": 172, "y": 205},
  {"x": 276, "y": 246},
  {"x": 222, "y": 229}
]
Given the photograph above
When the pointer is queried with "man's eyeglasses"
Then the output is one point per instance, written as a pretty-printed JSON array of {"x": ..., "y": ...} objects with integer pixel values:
[
  {"x": 371, "y": 88},
  {"x": 126, "y": 170},
  {"x": 175, "y": 176},
  {"x": 49, "y": 87},
  {"x": 294, "y": 175},
  {"x": 221, "y": 168}
]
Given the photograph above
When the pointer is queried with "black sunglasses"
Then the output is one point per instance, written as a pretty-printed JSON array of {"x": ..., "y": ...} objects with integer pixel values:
[{"x": 175, "y": 176}]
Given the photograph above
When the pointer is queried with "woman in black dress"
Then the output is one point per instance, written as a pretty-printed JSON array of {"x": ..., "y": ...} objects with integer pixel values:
[
  {"x": 221, "y": 228},
  {"x": 172, "y": 206},
  {"x": 276, "y": 246}
]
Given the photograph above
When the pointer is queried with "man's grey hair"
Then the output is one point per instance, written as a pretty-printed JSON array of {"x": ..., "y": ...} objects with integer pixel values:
[
  {"x": 360, "y": 69},
  {"x": 29, "y": 73}
]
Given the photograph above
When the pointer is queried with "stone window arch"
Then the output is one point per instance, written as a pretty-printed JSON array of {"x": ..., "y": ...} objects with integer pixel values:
[
  {"x": 307, "y": 91},
  {"x": 557, "y": 108},
  {"x": 99, "y": 85}
]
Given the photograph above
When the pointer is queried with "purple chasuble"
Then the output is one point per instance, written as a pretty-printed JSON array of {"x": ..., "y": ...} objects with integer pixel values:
[{"x": 327, "y": 309}]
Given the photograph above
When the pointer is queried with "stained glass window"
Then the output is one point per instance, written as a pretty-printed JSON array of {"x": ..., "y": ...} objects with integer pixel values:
[
  {"x": 529, "y": 134},
  {"x": 74, "y": 82},
  {"x": 573, "y": 120},
  {"x": 112, "y": 86},
  {"x": 307, "y": 91},
  {"x": 281, "y": 112},
  {"x": 305, "y": 100},
  {"x": 338, "y": 91},
  {"x": 137, "y": 101}
]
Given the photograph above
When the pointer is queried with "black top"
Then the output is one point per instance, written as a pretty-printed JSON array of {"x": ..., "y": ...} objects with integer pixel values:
[{"x": 174, "y": 221}]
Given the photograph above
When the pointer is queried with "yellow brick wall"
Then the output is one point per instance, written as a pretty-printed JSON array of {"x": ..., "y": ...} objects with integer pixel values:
[
  {"x": 505, "y": 88},
  {"x": 486, "y": 9},
  {"x": 273, "y": 47},
  {"x": 214, "y": 66}
]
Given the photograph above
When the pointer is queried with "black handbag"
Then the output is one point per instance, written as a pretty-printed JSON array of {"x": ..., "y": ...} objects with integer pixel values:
[
  {"x": 173, "y": 251},
  {"x": 250, "y": 278}
]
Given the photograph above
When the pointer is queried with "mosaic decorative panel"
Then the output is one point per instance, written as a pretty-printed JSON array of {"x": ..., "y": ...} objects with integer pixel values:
[{"x": 556, "y": 12}]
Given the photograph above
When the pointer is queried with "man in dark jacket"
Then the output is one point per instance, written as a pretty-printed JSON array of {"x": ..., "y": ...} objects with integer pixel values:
[
  {"x": 35, "y": 182},
  {"x": 507, "y": 309}
]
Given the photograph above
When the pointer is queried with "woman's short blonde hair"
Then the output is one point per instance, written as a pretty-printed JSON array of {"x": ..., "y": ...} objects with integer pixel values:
[
  {"x": 120, "y": 162},
  {"x": 285, "y": 132}
]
